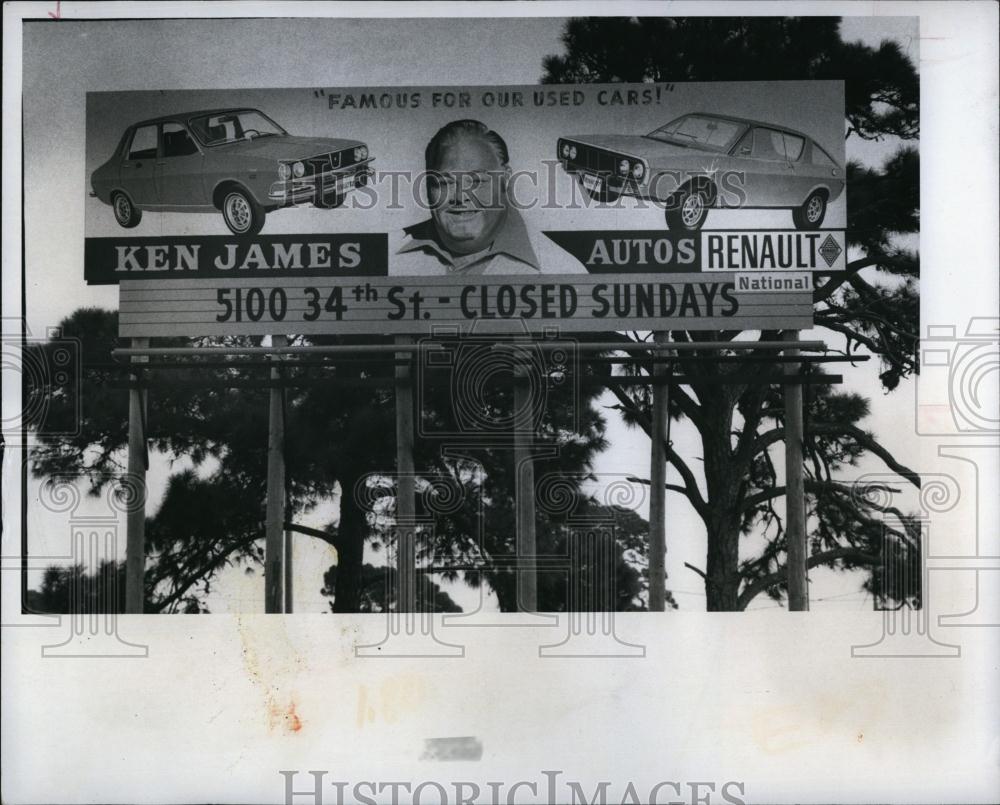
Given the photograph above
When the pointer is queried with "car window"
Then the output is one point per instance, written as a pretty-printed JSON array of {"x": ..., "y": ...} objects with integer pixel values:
[
  {"x": 820, "y": 157},
  {"x": 123, "y": 144},
  {"x": 227, "y": 127},
  {"x": 177, "y": 142},
  {"x": 700, "y": 131},
  {"x": 143, "y": 143},
  {"x": 707, "y": 131},
  {"x": 768, "y": 144},
  {"x": 671, "y": 127},
  {"x": 793, "y": 146},
  {"x": 745, "y": 146}
]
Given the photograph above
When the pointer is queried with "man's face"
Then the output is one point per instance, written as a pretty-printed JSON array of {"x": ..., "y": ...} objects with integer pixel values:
[{"x": 467, "y": 195}]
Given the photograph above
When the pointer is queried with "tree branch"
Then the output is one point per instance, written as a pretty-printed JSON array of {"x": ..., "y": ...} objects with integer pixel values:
[
  {"x": 690, "y": 482},
  {"x": 866, "y": 440},
  {"x": 853, "y": 267},
  {"x": 325, "y": 536},
  {"x": 757, "y": 498},
  {"x": 203, "y": 573},
  {"x": 852, "y": 335},
  {"x": 669, "y": 487},
  {"x": 754, "y": 588}
]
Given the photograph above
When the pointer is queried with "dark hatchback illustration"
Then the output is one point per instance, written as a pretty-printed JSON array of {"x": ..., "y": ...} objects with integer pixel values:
[
  {"x": 703, "y": 161},
  {"x": 235, "y": 161}
]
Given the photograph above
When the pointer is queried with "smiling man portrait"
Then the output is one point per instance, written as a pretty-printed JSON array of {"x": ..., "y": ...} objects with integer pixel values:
[{"x": 473, "y": 228}]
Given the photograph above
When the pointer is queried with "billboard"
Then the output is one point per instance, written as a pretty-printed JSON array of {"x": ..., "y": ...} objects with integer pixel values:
[{"x": 652, "y": 206}]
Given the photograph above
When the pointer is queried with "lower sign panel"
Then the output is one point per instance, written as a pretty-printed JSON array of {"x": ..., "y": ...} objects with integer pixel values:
[{"x": 387, "y": 305}]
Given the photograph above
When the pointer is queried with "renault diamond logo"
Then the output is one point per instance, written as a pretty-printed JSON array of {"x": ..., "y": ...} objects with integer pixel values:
[{"x": 830, "y": 250}]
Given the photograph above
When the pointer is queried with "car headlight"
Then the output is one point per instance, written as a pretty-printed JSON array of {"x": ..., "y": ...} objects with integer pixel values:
[
  {"x": 638, "y": 170},
  {"x": 299, "y": 169},
  {"x": 360, "y": 153},
  {"x": 623, "y": 167},
  {"x": 564, "y": 150},
  {"x": 284, "y": 172},
  {"x": 572, "y": 152}
]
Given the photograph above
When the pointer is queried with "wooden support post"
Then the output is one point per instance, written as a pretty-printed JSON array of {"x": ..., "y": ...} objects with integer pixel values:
[
  {"x": 406, "y": 569},
  {"x": 288, "y": 571},
  {"x": 275, "y": 518},
  {"x": 135, "y": 523},
  {"x": 795, "y": 493},
  {"x": 524, "y": 493},
  {"x": 657, "y": 487}
]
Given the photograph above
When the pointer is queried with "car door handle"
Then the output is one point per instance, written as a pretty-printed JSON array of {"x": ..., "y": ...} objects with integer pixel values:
[{"x": 126, "y": 165}]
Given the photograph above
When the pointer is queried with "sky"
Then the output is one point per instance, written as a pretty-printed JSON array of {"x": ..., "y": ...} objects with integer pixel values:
[{"x": 63, "y": 62}]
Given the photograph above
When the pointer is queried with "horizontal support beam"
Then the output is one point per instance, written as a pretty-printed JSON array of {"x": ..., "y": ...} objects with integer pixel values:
[
  {"x": 669, "y": 346},
  {"x": 250, "y": 364},
  {"x": 388, "y": 382},
  {"x": 437, "y": 345},
  {"x": 731, "y": 359},
  {"x": 328, "y": 349},
  {"x": 332, "y": 362},
  {"x": 731, "y": 380}
]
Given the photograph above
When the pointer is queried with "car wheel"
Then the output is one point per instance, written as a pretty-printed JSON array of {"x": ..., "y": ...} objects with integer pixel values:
[
  {"x": 243, "y": 215},
  {"x": 811, "y": 214},
  {"x": 330, "y": 201},
  {"x": 126, "y": 213},
  {"x": 687, "y": 209}
]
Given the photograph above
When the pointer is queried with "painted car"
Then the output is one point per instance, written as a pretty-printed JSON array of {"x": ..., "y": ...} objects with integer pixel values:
[
  {"x": 235, "y": 161},
  {"x": 702, "y": 161}
]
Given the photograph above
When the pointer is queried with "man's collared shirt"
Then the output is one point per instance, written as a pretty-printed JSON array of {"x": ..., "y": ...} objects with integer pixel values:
[{"x": 423, "y": 255}]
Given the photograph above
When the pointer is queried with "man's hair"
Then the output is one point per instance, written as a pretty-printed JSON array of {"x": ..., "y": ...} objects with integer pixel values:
[{"x": 447, "y": 135}]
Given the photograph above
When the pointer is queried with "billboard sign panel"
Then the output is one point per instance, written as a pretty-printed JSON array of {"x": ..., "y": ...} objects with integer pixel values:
[
  {"x": 392, "y": 305},
  {"x": 655, "y": 183}
]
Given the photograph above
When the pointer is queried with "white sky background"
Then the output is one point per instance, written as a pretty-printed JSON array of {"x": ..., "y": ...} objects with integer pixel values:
[{"x": 62, "y": 63}]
